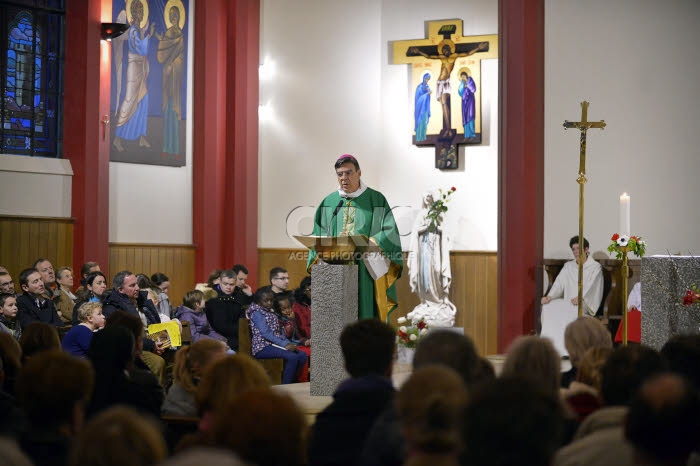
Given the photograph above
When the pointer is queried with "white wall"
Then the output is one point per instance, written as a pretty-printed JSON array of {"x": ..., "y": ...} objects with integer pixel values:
[
  {"x": 150, "y": 204},
  {"x": 409, "y": 171},
  {"x": 335, "y": 92},
  {"x": 636, "y": 62},
  {"x": 35, "y": 186},
  {"x": 153, "y": 204}
]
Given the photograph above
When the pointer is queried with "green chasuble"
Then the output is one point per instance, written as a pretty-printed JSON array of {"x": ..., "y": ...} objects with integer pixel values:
[{"x": 368, "y": 214}]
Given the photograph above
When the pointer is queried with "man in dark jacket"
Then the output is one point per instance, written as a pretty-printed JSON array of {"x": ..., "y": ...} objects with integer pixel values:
[
  {"x": 48, "y": 276},
  {"x": 340, "y": 430},
  {"x": 127, "y": 296},
  {"x": 33, "y": 306},
  {"x": 224, "y": 311},
  {"x": 385, "y": 444}
]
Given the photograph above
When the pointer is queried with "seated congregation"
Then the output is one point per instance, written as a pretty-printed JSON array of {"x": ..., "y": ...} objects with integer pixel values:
[{"x": 103, "y": 392}]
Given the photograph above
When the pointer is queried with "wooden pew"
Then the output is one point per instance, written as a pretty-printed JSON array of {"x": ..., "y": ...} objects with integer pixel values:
[{"x": 273, "y": 367}]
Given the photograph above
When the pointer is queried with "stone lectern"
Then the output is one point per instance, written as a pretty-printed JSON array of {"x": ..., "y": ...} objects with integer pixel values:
[
  {"x": 334, "y": 296},
  {"x": 665, "y": 279}
]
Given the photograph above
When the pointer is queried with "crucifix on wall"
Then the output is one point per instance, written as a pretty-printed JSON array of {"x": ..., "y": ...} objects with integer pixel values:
[{"x": 443, "y": 63}]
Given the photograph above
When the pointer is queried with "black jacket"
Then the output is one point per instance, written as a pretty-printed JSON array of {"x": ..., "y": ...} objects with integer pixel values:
[
  {"x": 115, "y": 300},
  {"x": 139, "y": 389},
  {"x": 29, "y": 312},
  {"x": 341, "y": 429},
  {"x": 224, "y": 312}
]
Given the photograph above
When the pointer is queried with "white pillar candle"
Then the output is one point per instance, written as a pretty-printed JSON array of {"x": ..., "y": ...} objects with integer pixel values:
[{"x": 625, "y": 214}]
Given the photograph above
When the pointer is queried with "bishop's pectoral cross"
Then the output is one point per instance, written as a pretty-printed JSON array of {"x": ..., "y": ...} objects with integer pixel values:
[
  {"x": 432, "y": 63},
  {"x": 582, "y": 126}
]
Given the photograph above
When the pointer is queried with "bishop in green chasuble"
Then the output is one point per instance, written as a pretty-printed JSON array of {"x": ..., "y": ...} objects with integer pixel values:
[{"x": 356, "y": 209}]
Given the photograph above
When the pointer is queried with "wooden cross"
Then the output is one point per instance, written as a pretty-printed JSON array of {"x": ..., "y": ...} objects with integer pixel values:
[
  {"x": 444, "y": 51},
  {"x": 582, "y": 126}
]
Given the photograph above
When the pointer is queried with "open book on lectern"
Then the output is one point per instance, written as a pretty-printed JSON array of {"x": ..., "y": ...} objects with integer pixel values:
[{"x": 348, "y": 249}]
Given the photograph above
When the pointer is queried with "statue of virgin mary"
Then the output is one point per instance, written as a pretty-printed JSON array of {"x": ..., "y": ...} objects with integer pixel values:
[{"x": 429, "y": 269}]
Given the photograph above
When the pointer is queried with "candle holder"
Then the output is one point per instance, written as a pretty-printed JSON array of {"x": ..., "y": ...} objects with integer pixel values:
[
  {"x": 625, "y": 283},
  {"x": 621, "y": 245}
]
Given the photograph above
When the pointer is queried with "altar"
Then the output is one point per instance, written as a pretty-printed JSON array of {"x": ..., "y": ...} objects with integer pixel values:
[{"x": 665, "y": 280}]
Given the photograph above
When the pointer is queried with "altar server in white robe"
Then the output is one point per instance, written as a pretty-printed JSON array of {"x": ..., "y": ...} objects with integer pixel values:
[{"x": 556, "y": 312}]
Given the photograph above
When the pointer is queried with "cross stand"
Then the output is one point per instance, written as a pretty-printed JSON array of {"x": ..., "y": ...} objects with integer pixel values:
[
  {"x": 582, "y": 126},
  {"x": 625, "y": 281}
]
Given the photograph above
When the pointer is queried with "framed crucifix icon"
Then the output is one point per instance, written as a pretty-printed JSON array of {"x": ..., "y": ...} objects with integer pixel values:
[{"x": 444, "y": 65}]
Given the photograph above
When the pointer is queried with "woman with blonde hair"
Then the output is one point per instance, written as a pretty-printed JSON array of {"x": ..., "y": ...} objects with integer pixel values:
[
  {"x": 589, "y": 371},
  {"x": 226, "y": 379},
  {"x": 430, "y": 406},
  {"x": 580, "y": 335},
  {"x": 263, "y": 427},
  {"x": 221, "y": 384},
  {"x": 66, "y": 298},
  {"x": 190, "y": 363},
  {"x": 534, "y": 358},
  {"x": 583, "y": 395}
]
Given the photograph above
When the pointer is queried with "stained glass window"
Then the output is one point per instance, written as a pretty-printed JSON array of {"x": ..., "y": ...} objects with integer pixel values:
[{"x": 31, "y": 76}]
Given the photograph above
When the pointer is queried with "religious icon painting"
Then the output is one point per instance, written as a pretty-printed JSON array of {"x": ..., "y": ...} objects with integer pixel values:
[
  {"x": 149, "y": 82},
  {"x": 443, "y": 63}
]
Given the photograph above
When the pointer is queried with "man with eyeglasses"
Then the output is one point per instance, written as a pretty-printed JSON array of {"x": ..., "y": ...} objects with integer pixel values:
[
  {"x": 279, "y": 282},
  {"x": 356, "y": 209}
]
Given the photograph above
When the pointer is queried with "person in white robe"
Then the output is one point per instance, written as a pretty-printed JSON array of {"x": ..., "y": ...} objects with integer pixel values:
[{"x": 560, "y": 306}]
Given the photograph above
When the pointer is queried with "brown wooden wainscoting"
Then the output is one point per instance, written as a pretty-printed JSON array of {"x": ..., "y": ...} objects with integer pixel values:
[
  {"x": 174, "y": 260},
  {"x": 474, "y": 289},
  {"x": 25, "y": 239}
]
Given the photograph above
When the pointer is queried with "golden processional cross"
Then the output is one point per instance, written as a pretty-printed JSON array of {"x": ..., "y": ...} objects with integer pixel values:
[{"x": 582, "y": 126}]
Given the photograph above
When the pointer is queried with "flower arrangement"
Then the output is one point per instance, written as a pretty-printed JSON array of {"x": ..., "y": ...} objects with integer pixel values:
[
  {"x": 692, "y": 296},
  {"x": 635, "y": 244},
  {"x": 438, "y": 207},
  {"x": 409, "y": 336}
]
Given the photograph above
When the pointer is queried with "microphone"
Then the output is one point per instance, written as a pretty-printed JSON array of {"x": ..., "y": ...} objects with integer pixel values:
[{"x": 335, "y": 212}]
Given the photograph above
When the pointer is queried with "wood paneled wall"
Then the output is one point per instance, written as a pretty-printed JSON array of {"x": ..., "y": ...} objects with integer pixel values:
[
  {"x": 25, "y": 239},
  {"x": 474, "y": 289},
  {"x": 175, "y": 261}
]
